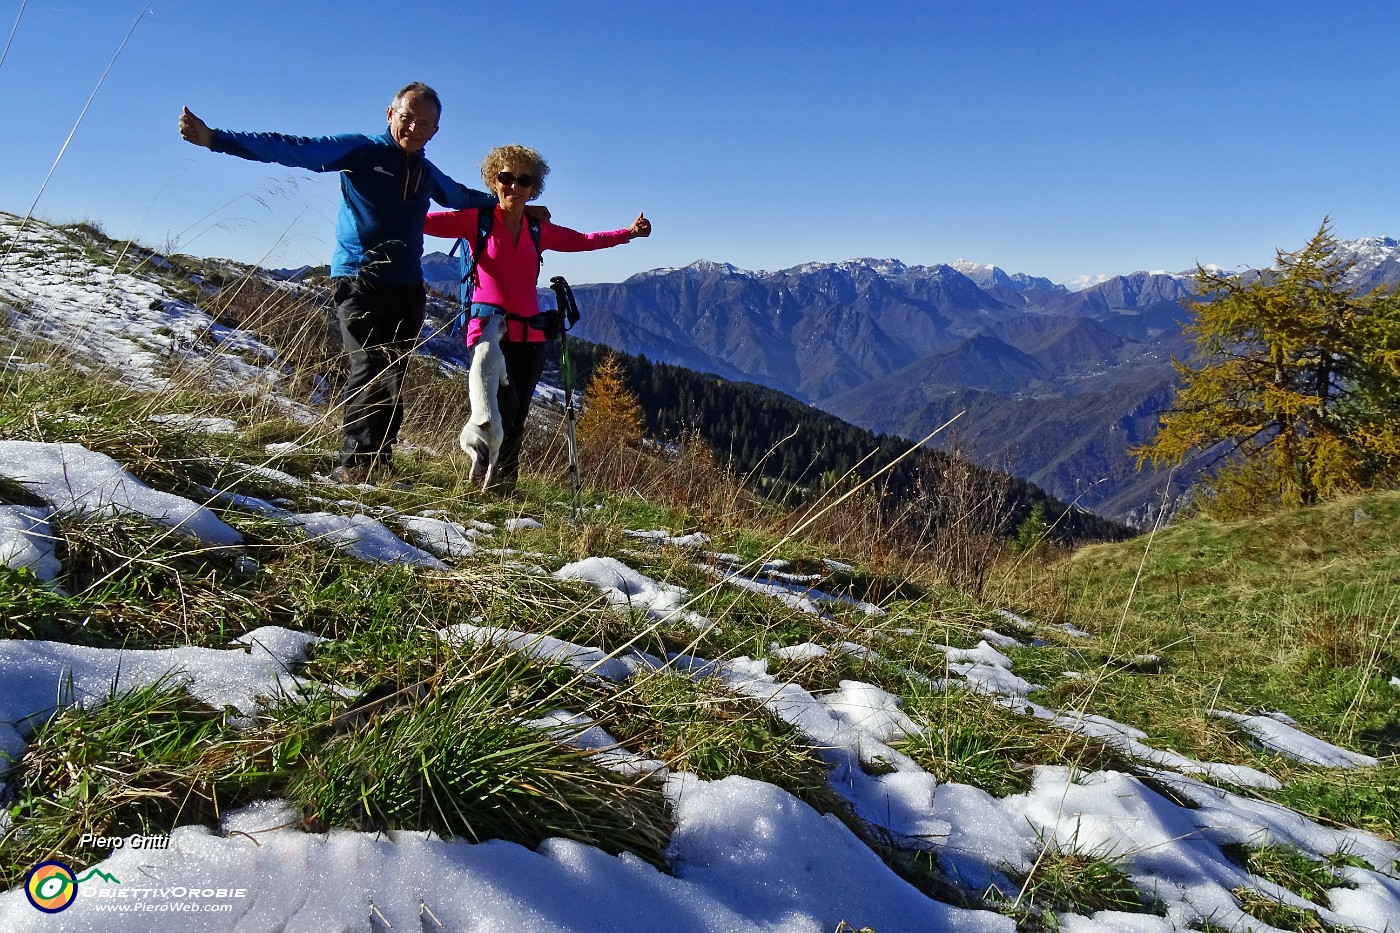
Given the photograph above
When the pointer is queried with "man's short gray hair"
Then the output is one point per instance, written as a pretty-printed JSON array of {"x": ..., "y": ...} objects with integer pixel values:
[{"x": 423, "y": 91}]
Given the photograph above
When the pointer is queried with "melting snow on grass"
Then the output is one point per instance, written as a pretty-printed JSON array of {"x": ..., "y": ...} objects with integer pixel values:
[
  {"x": 627, "y": 589},
  {"x": 362, "y": 537},
  {"x": 27, "y": 540},
  {"x": 744, "y": 855},
  {"x": 130, "y": 323},
  {"x": 77, "y": 480},
  {"x": 39, "y": 678},
  {"x": 443, "y": 537},
  {"x": 796, "y": 591},
  {"x": 1278, "y": 733},
  {"x": 547, "y": 648}
]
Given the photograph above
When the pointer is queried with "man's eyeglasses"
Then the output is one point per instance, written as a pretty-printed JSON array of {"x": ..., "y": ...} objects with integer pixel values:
[
  {"x": 416, "y": 123},
  {"x": 506, "y": 179}
]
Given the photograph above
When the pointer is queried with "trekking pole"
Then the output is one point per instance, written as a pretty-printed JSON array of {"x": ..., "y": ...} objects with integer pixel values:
[{"x": 568, "y": 309}]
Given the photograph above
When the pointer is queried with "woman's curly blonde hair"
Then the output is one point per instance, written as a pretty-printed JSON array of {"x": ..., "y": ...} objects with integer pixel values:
[{"x": 502, "y": 158}]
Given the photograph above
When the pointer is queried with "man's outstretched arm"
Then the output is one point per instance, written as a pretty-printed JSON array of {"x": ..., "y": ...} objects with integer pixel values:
[{"x": 317, "y": 153}]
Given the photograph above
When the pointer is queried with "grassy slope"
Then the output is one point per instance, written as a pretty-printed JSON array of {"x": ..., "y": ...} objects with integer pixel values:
[
  {"x": 1238, "y": 624},
  {"x": 1294, "y": 612},
  {"x": 1297, "y": 611}
]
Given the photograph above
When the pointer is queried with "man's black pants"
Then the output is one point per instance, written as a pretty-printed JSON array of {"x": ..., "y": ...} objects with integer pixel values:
[{"x": 379, "y": 327}]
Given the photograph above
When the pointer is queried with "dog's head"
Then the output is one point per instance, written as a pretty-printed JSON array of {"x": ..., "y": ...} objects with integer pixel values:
[{"x": 492, "y": 328}]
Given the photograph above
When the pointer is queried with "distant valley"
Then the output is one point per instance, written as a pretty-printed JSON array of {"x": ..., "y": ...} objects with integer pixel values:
[{"x": 1056, "y": 384}]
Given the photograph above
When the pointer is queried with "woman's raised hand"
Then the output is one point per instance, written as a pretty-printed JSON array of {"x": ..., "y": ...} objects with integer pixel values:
[{"x": 640, "y": 227}]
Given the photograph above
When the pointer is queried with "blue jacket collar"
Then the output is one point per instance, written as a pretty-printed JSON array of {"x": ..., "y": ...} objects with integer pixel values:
[{"x": 388, "y": 137}]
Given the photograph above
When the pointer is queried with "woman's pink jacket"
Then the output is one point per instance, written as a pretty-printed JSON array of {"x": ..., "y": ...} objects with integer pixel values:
[{"x": 506, "y": 275}]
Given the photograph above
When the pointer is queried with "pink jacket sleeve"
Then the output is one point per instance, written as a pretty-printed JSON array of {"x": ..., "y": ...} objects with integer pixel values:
[
  {"x": 453, "y": 224},
  {"x": 564, "y": 240}
]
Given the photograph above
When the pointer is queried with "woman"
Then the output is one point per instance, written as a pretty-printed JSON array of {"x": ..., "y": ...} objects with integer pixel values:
[{"x": 506, "y": 272}]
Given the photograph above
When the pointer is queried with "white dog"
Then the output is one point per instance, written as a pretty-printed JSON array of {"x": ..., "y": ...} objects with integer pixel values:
[{"x": 483, "y": 432}]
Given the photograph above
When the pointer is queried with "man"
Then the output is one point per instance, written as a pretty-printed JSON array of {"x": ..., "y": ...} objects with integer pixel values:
[{"x": 386, "y": 183}]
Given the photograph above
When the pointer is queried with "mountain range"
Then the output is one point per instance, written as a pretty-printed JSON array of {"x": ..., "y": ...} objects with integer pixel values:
[{"x": 1057, "y": 384}]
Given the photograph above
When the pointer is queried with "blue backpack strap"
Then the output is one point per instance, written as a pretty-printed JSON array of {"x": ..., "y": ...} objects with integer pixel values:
[
  {"x": 485, "y": 217},
  {"x": 534, "y": 224},
  {"x": 467, "y": 260},
  {"x": 464, "y": 295}
]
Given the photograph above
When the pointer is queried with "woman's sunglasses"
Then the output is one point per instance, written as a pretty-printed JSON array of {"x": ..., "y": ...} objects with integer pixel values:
[{"x": 506, "y": 179}]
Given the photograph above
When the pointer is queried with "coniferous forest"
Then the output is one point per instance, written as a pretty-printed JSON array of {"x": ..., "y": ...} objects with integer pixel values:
[{"x": 793, "y": 451}]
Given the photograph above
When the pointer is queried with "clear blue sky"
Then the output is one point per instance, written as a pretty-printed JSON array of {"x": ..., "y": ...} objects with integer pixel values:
[{"x": 1063, "y": 140}]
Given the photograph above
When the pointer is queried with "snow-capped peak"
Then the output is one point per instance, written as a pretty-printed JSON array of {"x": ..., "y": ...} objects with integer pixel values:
[
  {"x": 1081, "y": 282},
  {"x": 1370, "y": 252},
  {"x": 981, "y": 273}
]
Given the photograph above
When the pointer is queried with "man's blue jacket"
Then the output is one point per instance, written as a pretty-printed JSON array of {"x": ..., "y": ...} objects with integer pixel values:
[{"x": 384, "y": 196}]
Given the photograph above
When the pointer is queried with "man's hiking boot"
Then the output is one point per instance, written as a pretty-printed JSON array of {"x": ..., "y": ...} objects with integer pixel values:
[
  {"x": 356, "y": 467},
  {"x": 352, "y": 472}
]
